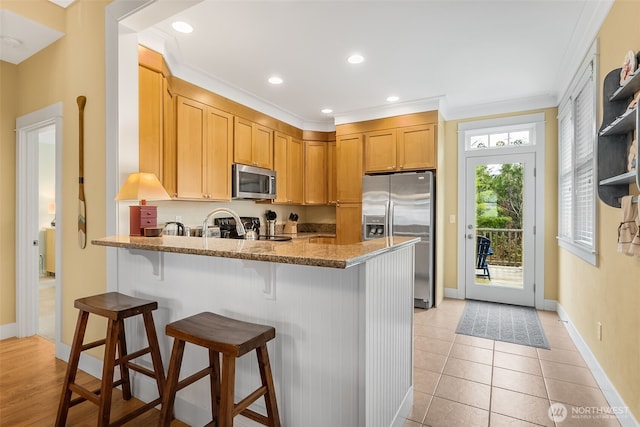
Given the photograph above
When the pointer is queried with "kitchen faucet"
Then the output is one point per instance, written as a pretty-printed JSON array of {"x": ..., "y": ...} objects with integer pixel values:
[{"x": 239, "y": 226}]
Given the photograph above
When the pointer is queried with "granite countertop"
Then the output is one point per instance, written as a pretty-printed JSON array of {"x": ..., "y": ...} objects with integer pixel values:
[{"x": 296, "y": 251}]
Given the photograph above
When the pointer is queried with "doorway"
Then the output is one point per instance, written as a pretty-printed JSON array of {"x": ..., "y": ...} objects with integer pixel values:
[
  {"x": 501, "y": 164},
  {"x": 499, "y": 218},
  {"x": 38, "y": 196}
]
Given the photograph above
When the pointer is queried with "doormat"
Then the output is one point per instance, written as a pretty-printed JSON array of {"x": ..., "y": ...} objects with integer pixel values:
[{"x": 502, "y": 322}]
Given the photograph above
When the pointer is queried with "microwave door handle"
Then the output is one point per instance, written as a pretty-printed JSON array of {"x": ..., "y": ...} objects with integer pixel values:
[{"x": 272, "y": 185}]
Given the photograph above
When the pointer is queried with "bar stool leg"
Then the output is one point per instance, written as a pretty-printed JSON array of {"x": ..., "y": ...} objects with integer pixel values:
[
  {"x": 267, "y": 381},
  {"x": 214, "y": 365},
  {"x": 228, "y": 391},
  {"x": 152, "y": 339},
  {"x": 171, "y": 385},
  {"x": 124, "y": 370},
  {"x": 113, "y": 336},
  {"x": 72, "y": 368}
]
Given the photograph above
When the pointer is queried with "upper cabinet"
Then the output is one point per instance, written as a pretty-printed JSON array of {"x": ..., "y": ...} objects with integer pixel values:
[
  {"x": 315, "y": 173},
  {"x": 287, "y": 162},
  {"x": 204, "y": 135},
  {"x": 400, "y": 149},
  {"x": 620, "y": 125},
  {"x": 156, "y": 125},
  {"x": 349, "y": 168},
  {"x": 253, "y": 144}
]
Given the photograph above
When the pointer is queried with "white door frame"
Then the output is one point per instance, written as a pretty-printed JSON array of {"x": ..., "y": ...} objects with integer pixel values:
[
  {"x": 538, "y": 119},
  {"x": 27, "y": 253}
]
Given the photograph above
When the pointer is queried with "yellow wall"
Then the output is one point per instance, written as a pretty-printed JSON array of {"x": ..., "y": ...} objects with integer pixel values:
[
  {"x": 8, "y": 89},
  {"x": 72, "y": 66},
  {"x": 448, "y": 197},
  {"x": 609, "y": 292}
]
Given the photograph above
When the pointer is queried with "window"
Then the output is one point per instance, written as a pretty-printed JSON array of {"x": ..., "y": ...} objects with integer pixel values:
[
  {"x": 500, "y": 137},
  {"x": 576, "y": 164}
]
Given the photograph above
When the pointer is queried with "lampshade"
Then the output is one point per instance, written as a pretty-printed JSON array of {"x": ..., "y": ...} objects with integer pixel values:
[{"x": 142, "y": 186}]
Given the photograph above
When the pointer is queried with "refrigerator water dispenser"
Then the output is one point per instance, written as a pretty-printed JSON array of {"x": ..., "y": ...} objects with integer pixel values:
[{"x": 374, "y": 226}]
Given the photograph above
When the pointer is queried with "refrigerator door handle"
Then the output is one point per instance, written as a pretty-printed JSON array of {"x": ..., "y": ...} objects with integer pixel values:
[{"x": 390, "y": 208}]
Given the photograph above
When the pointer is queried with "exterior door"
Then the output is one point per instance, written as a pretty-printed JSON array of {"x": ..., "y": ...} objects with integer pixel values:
[{"x": 500, "y": 207}]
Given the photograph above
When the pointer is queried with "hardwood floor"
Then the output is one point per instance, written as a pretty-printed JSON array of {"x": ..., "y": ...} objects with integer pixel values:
[{"x": 31, "y": 381}]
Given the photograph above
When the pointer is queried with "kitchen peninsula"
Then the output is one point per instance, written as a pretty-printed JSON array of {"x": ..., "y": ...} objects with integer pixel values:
[{"x": 343, "y": 315}]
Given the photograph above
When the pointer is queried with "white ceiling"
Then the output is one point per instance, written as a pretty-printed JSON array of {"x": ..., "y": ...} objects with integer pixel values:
[
  {"x": 465, "y": 58},
  {"x": 462, "y": 57}
]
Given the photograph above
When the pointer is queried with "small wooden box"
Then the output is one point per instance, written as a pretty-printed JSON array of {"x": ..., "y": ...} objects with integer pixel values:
[{"x": 141, "y": 216}]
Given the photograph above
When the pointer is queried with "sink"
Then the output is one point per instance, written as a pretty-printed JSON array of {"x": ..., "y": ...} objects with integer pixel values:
[{"x": 275, "y": 238}]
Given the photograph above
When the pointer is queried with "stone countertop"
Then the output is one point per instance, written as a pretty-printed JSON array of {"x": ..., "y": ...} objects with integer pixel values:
[{"x": 296, "y": 251}]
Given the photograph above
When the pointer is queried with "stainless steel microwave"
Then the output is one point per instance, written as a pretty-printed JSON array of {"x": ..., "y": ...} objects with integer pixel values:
[{"x": 250, "y": 182}]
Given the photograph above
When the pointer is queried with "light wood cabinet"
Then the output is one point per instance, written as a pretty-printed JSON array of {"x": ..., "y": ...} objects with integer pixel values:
[
  {"x": 252, "y": 144},
  {"x": 331, "y": 173},
  {"x": 288, "y": 163},
  {"x": 348, "y": 223},
  {"x": 400, "y": 149},
  {"x": 204, "y": 159},
  {"x": 380, "y": 151},
  {"x": 416, "y": 147},
  {"x": 50, "y": 250},
  {"x": 349, "y": 168},
  {"x": 315, "y": 173}
]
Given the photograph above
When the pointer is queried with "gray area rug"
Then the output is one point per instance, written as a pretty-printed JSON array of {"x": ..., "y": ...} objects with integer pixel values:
[{"x": 502, "y": 322}]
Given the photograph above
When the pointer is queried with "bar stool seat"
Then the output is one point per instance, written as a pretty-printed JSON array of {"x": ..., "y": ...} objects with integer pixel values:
[
  {"x": 231, "y": 338},
  {"x": 115, "y": 307}
]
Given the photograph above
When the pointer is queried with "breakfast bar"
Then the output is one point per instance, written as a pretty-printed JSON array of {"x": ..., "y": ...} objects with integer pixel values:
[{"x": 343, "y": 316}]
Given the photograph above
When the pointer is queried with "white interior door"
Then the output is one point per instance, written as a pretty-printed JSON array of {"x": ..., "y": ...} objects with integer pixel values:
[{"x": 500, "y": 206}]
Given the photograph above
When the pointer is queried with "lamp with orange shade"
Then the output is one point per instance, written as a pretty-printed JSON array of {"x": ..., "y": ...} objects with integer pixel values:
[{"x": 142, "y": 186}]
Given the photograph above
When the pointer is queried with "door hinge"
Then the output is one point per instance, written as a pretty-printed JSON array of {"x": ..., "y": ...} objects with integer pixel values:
[
  {"x": 534, "y": 172},
  {"x": 534, "y": 287},
  {"x": 534, "y": 230}
]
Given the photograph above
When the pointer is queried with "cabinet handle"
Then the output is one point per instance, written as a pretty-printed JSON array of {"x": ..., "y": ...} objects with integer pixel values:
[{"x": 401, "y": 166}]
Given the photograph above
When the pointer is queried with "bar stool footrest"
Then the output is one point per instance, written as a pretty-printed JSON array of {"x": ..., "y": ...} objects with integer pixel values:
[
  {"x": 244, "y": 403},
  {"x": 253, "y": 415}
]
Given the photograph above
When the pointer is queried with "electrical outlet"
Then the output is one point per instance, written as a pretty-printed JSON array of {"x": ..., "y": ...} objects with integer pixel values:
[
  {"x": 599, "y": 331},
  {"x": 452, "y": 219}
]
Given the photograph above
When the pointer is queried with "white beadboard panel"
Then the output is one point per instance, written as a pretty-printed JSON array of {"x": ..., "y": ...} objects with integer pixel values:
[
  {"x": 389, "y": 331},
  {"x": 320, "y": 314}
]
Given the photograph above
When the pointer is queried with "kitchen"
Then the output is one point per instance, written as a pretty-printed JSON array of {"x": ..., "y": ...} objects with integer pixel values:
[{"x": 76, "y": 276}]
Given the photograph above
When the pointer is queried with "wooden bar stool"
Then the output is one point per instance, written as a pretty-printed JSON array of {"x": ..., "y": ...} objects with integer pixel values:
[
  {"x": 115, "y": 307},
  {"x": 233, "y": 339}
]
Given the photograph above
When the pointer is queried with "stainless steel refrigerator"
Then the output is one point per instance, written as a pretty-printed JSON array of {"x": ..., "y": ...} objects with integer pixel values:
[{"x": 402, "y": 205}]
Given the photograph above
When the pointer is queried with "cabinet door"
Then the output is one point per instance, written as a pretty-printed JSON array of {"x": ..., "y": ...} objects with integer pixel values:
[
  {"x": 190, "y": 134},
  {"x": 380, "y": 151},
  {"x": 280, "y": 159},
  {"x": 150, "y": 131},
  {"x": 349, "y": 168},
  {"x": 416, "y": 147},
  {"x": 295, "y": 161},
  {"x": 348, "y": 223},
  {"x": 218, "y": 154},
  {"x": 242, "y": 141},
  {"x": 169, "y": 159},
  {"x": 262, "y": 146},
  {"x": 315, "y": 173},
  {"x": 331, "y": 173}
]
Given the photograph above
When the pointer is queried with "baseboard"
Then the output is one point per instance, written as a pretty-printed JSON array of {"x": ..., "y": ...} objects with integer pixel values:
[
  {"x": 625, "y": 417},
  {"x": 9, "y": 330},
  {"x": 405, "y": 409},
  {"x": 550, "y": 305},
  {"x": 452, "y": 293}
]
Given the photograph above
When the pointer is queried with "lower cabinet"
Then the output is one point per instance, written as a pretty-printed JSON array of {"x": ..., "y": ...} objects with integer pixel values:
[
  {"x": 348, "y": 223},
  {"x": 204, "y": 135}
]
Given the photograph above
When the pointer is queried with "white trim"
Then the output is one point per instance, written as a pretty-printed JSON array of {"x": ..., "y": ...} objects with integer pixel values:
[
  {"x": 608, "y": 389},
  {"x": 452, "y": 293},
  {"x": 538, "y": 149},
  {"x": 8, "y": 331},
  {"x": 405, "y": 409},
  {"x": 26, "y": 259}
]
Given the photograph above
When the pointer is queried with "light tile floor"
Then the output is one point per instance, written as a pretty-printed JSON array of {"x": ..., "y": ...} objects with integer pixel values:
[{"x": 467, "y": 381}]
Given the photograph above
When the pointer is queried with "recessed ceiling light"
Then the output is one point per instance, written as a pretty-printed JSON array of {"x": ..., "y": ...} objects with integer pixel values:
[
  {"x": 356, "y": 58},
  {"x": 275, "y": 80},
  {"x": 327, "y": 110},
  {"x": 392, "y": 98},
  {"x": 10, "y": 42},
  {"x": 182, "y": 27}
]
